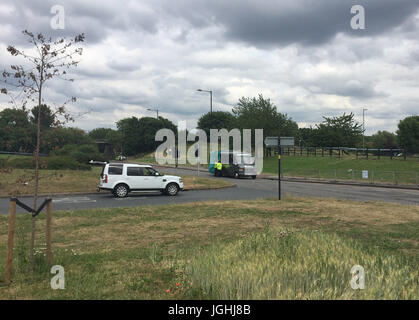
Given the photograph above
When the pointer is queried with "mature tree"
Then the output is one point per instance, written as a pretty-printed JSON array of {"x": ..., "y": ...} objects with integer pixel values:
[
  {"x": 408, "y": 133},
  {"x": 16, "y": 132},
  {"x": 139, "y": 133},
  {"x": 306, "y": 137},
  {"x": 100, "y": 133},
  {"x": 216, "y": 120},
  {"x": 341, "y": 131},
  {"x": 47, "y": 116},
  {"x": 57, "y": 138},
  {"x": 384, "y": 140},
  {"x": 261, "y": 113},
  {"x": 50, "y": 60},
  {"x": 116, "y": 139}
]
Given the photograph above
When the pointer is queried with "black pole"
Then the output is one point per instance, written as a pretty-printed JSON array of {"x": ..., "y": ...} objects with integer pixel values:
[
  {"x": 176, "y": 156},
  {"x": 211, "y": 102},
  {"x": 279, "y": 168}
]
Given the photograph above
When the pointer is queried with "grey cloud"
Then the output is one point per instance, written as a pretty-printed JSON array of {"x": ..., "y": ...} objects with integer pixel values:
[
  {"x": 94, "y": 18},
  {"x": 259, "y": 23},
  {"x": 347, "y": 88},
  {"x": 307, "y": 22},
  {"x": 156, "y": 53}
]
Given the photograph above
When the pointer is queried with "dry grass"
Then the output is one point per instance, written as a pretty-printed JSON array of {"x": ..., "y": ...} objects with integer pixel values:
[
  {"x": 21, "y": 182},
  {"x": 134, "y": 252}
]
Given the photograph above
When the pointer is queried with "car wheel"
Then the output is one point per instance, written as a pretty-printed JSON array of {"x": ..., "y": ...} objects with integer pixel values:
[
  {"x": 236, "y": 175},
  {"x": 172, "y": 189},
  {"x": 121, "y": 191},
  {"x": 253, "y": 177}
]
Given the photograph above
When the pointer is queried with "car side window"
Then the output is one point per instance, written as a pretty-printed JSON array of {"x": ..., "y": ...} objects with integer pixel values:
[
  {"x": 115, "y": 170},
  {"x": 134, "y": 171}
]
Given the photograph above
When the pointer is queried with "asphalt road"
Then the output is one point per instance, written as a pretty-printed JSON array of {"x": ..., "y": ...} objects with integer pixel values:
[{"x": 244, "y": 189}]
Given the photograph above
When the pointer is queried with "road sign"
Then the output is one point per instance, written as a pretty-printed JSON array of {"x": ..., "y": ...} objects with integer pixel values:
[
  {"x": 364, "y": 174},
  {"x": 272, "y": 142}
]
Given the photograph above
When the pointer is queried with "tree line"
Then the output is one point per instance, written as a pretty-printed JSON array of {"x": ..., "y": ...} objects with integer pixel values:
[
  {"x": 338, "y": 131},
  {"x": 136, "y": 135},
  {"x": 18, "y": 133}
]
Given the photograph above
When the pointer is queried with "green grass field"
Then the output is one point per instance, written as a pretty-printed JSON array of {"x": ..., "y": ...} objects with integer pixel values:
[
  {"x": 296, "y": 249},
  {"x": 384, "y": 170}
]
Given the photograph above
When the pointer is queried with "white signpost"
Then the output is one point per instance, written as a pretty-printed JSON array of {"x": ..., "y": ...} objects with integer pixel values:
[
  {"x": 272, "y": 142},
  {"x": 364, "y": 174}
]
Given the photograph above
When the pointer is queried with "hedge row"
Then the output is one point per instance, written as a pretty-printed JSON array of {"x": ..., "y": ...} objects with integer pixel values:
[{"x": 50, "y": 163}]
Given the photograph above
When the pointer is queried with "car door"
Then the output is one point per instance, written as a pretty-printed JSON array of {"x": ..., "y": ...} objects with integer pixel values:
[
  {"x": 152, "y": 180},
  {"x": 114, "y": 174},
  {"x": 135, "y": 178}
]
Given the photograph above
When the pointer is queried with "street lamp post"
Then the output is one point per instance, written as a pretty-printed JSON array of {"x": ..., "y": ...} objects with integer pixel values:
[
  {"x": 157, "y": 110},
  {"x": 210, "y": 92},
  {"x": 363, "y": 127}
]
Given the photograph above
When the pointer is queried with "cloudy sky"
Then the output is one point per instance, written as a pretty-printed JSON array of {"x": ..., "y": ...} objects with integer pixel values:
[{"x": 302, "y": 54}]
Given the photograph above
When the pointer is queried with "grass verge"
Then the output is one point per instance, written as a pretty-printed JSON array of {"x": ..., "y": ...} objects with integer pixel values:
[
  {"x": 20, "y": 181},
  {"x": 384, "y": 170},
  {"x": 144, "y": 252}
]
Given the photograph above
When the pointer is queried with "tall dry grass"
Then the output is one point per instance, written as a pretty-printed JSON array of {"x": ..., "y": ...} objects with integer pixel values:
[{"x": 303, "y": 265}]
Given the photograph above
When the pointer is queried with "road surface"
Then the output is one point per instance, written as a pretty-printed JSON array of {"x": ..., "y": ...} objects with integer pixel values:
[{"x": 245, "y": 189}]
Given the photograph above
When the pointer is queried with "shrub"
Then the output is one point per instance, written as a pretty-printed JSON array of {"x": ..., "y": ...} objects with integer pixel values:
[
  {"x": 66, "y": 150},
  {"x": 22, "y": 163},
  {"x": 51, "y": 163},
  {"x": 82, "y": 154},
  {"x": 87, "y": 148},
  {"x": 66, "y": 163}
]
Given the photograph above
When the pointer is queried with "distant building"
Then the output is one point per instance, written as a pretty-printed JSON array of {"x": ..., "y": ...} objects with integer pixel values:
[{"x": 106, "y": 148}]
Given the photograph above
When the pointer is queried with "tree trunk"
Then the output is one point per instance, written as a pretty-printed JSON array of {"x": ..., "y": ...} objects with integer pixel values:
[{"x": 35, "y": 199}]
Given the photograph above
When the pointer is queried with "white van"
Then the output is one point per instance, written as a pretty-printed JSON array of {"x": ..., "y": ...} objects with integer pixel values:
[{"x": 122, "y": 178}]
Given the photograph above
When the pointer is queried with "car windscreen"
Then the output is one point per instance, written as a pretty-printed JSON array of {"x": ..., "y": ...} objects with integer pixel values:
[
  {"x": 149, "y": 172},
  {"x": 247, "y": 159}
]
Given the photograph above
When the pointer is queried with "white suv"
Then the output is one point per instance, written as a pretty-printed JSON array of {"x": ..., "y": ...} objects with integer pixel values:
[{"x": 122, "y": 178}]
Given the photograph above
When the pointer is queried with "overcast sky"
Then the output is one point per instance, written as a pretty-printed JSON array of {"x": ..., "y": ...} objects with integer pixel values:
[{"x": 302, "y": 54}]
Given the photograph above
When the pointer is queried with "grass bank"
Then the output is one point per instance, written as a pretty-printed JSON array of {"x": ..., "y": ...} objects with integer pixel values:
[
  {"x": 21, "y": 181},
  {"x": 382, "y": 170},
  {"x": 299, "y": 248}
]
